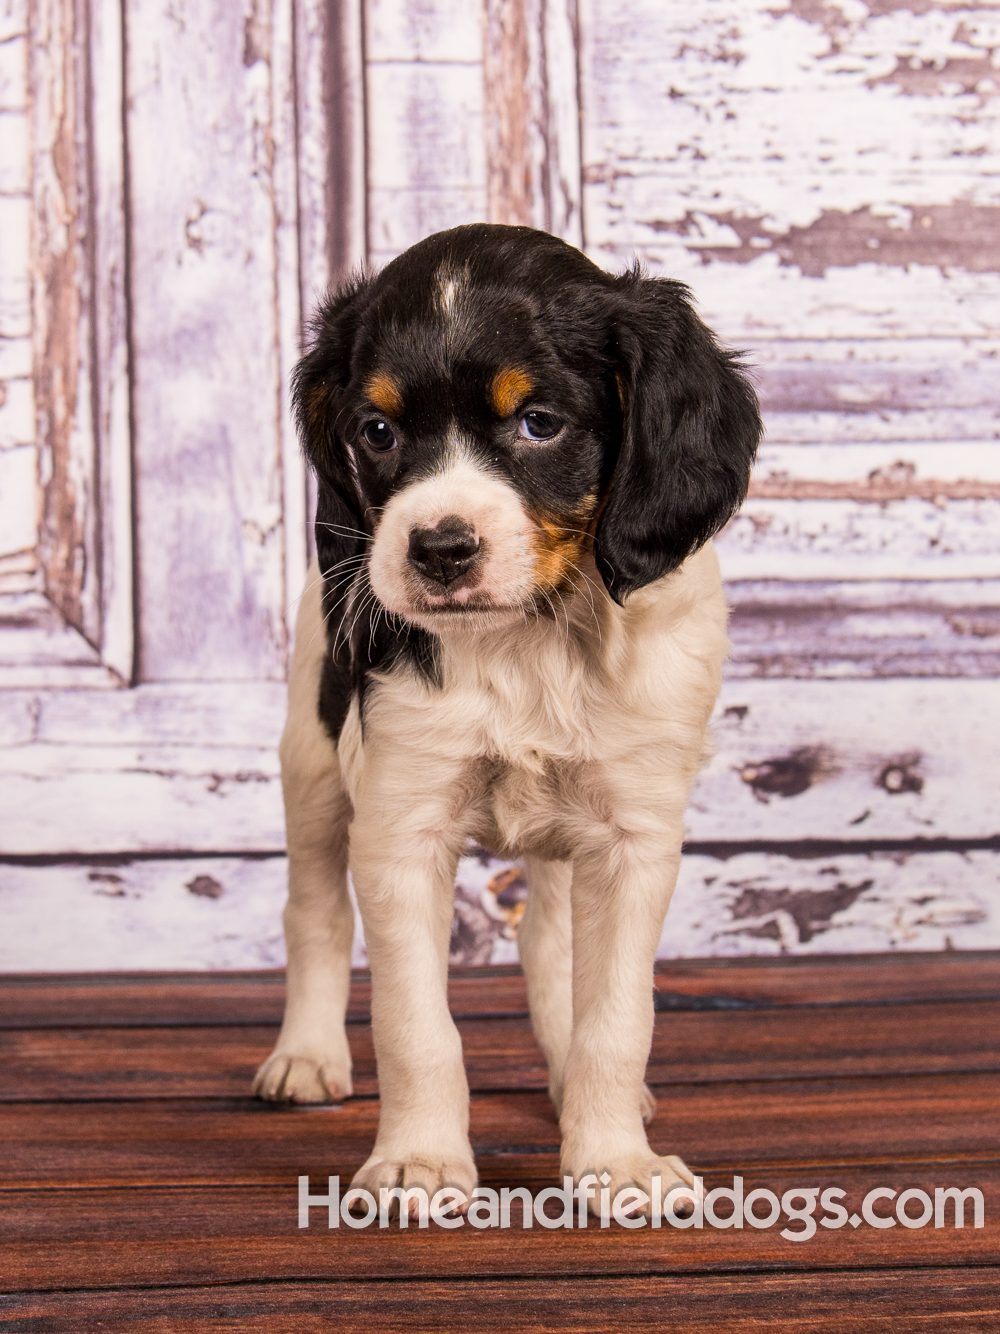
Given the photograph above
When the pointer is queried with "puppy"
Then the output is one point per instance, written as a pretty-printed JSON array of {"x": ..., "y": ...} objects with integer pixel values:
[{"x": 515, "y": 634}]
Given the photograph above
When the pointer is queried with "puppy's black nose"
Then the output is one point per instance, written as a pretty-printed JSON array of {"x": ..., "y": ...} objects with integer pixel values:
[{"x": 443, "y": 553}]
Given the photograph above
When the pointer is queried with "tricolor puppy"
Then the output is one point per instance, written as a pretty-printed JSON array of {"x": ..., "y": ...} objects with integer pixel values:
[{"x": 515, "y": 635}]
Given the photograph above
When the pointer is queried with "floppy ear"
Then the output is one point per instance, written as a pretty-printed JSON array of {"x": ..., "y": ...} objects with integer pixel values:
[
  {"x": 690, "y": 431},
  {"x": 318, "y": 385}
]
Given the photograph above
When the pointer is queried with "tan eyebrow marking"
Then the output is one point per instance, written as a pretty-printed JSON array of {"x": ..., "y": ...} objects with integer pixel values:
[
  {"x": 385, "y": 393},
  {"x": 510, "y": 388}
]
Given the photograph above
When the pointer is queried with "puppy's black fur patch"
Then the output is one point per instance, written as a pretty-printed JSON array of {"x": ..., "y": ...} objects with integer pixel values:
[{"x": 660, "y": 425}]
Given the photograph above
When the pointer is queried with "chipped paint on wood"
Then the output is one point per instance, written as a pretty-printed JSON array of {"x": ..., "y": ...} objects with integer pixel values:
[
  {"x": 532, "y": 121},
  {"x": 143, "y": 914},
  {"x": 766, "y": 903},
  {"x": 911, "y": 538},
  {"x": 141, "y": 798},
  {"x": 509, "y": 113},
  {"x": 824, "y": 175},
  {"x": 161, "y": 785},
  {"x": 38, "y": 648},
  {"x": 58, "y": 275},
  {"x": 941, "y": 426},
  {"x": 756, "y": 904},
  {"x": 108, "y": 316},
  {"x": 19, "y": 512},
  {"x": 812, "y": 169},
  {"x": 843, "y": 740},
  {"x": 950, "y": 236},
  {"x": 929, "y": 470}
]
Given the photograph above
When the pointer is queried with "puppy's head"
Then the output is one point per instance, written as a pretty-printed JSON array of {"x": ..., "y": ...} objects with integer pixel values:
[{"x": 491, "y": 407}]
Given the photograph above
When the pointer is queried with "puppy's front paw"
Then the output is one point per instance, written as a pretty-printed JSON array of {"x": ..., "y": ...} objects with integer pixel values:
[
  {"x": 634, "y": 1170},
  {"x": 287, "y": 1078},
  {"x": 432, "y": 1172}
]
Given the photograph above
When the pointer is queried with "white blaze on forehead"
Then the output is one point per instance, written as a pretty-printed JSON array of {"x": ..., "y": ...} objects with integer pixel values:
[
  {"x": 488, "y": 504},
  {"x": 448, "y": 284}
]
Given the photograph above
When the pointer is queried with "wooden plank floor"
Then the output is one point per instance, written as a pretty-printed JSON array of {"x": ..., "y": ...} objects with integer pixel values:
[{"x": 143, "y": 1190}]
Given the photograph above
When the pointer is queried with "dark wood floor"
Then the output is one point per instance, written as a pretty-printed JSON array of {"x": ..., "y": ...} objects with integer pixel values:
[{"x": 142, "y": 1190}]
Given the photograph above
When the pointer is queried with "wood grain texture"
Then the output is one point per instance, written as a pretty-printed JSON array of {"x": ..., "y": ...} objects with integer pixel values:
[
  {"x": 426, "y": 149},
  {"x": 858, "y": 377},
  {"x": 70, "y": 423},
  {"x": 289, "y": 314},
  {"x": 816, "y": 254},
  {"x": 688, "y": 1046},
  {"x": 830, "y": 1303},
  {"x": 429, "y": 170},
  {"x": 171, "y": 713},
  {"x": 510, "y": 47},
  {"x": 870, "y": 628},
  {"x": 18, "y": 485},
  {"x": 60, "y": 292},
  {"x": 531, "y": 115},
  {"x": 38, "y": 647},
  {"x": 445, "y": 31},
  {"x": 109, "y": 324},
  {"x": 827, "y": 1124},
  {"x": 174, "y": 1213},
  {"x": 331, "y": 149},
  {"x": 88, "y": 1239},
  {"x": 174, "y": 999}
]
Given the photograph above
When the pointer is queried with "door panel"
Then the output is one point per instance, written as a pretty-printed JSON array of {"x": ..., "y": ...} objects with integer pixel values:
[{"x": 206, "y": 334}]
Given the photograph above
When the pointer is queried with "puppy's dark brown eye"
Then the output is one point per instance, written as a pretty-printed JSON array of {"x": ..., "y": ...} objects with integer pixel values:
[
  {"x": 539, "y": 426},
  {"x": 378, "y": 436}
]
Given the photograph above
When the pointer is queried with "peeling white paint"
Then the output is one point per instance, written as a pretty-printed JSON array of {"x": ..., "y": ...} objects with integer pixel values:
[{"x": 225, "y": 913}]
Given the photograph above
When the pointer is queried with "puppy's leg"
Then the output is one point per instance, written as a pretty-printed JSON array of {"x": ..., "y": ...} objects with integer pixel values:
[
  {"x": 404, "y": 873},
  {"x": 311, "y": 1062},
  {"x": 621, "y": 891},
  {"x": 545, "y": 944}
]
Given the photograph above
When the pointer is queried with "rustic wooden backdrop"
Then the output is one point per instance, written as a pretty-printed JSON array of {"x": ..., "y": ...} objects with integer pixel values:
[{"x": 178, "y": 183}]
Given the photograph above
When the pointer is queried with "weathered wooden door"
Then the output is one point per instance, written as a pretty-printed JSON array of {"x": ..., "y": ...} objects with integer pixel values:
[
  {"x": 164, "y": 216},
  {"x": 180, "y": 182}
]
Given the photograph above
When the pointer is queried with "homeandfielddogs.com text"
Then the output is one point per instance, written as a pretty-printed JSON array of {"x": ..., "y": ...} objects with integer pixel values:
[{"x": 569, "y": 1206}]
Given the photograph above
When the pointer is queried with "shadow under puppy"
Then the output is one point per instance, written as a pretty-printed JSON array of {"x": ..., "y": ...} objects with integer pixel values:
[{"x": 515, "y": 635}]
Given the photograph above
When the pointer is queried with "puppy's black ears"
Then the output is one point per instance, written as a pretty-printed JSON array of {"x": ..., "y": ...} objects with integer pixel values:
[
  {"x": 691, "y": 427},
  {"x": 321, "y": 377},
  {"x": 318, "y": 385}
]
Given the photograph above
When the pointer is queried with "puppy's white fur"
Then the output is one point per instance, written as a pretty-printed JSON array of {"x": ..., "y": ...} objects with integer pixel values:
[
  {"x": 571, "y": 742},
  {"x": 494, "y": 513}
]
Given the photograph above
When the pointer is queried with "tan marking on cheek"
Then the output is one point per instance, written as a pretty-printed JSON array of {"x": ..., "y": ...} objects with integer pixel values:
[
  {"x": 385, "y": 393},
  {"x": 620, "y": 386},
  {"x": 559, "y": 544},
  {"x": 510, "y": 388}
]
